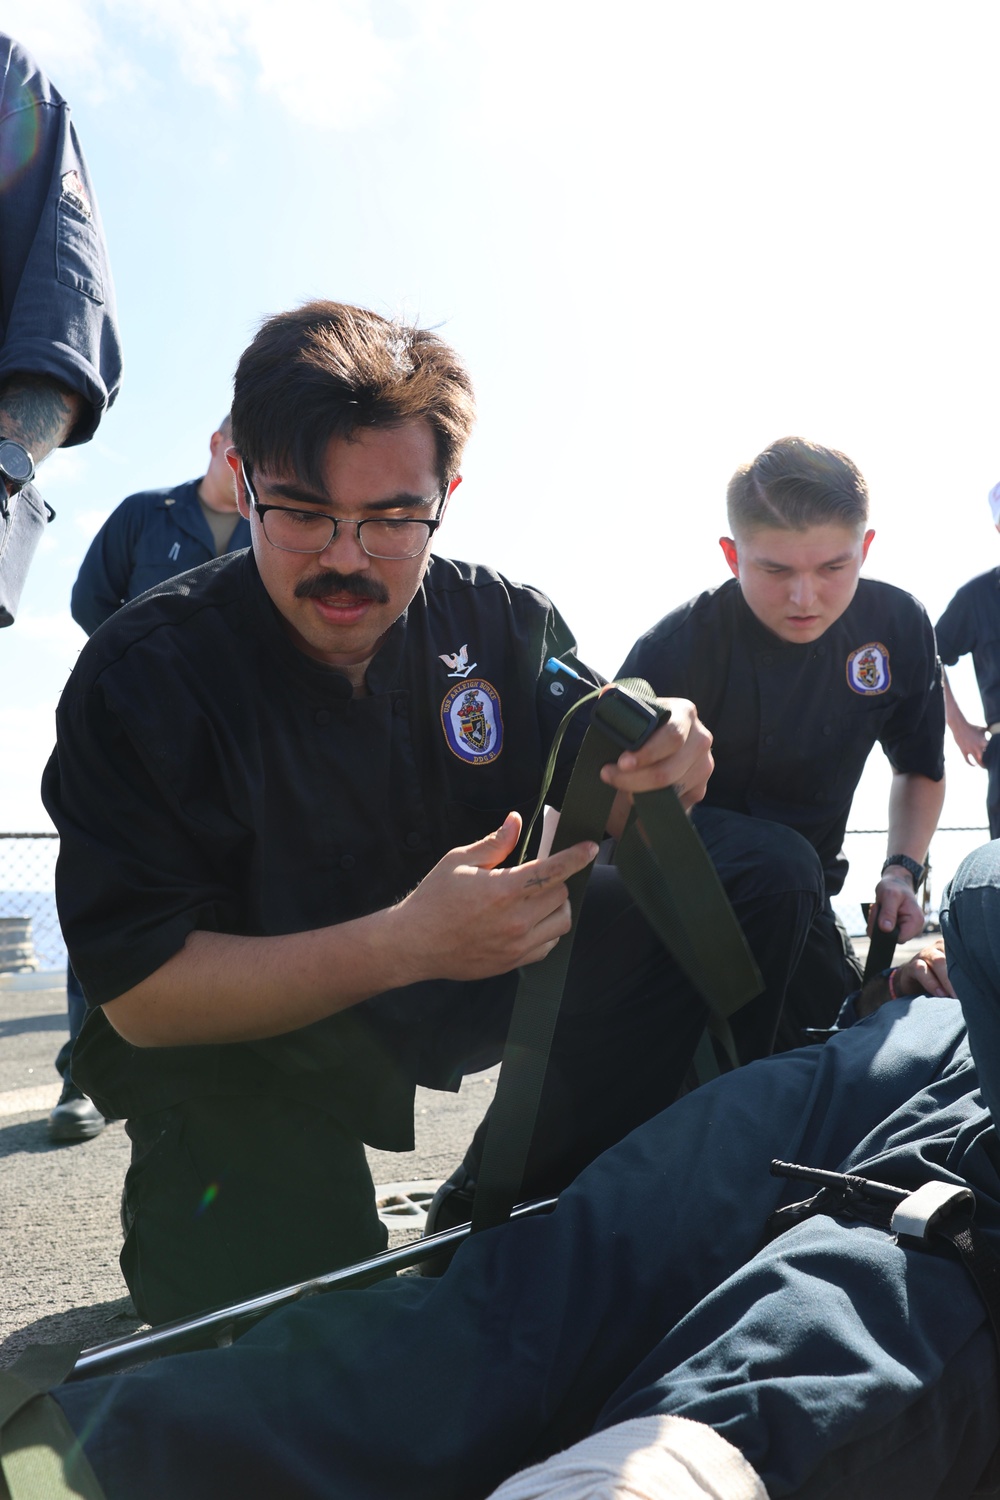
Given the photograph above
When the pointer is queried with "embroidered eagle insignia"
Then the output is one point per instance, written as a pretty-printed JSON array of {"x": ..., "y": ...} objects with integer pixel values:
[{"x": 459, "y": 663}]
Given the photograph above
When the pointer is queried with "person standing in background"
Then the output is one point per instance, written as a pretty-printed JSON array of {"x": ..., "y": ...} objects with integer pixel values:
[
  {"x": 971, "y": 622},
  {"x": 156, "y": 534},
  {"x": 60, "y": 353}
]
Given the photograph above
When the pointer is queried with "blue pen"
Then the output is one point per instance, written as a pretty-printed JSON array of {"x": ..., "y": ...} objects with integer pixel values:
[{"x": 555, "y": 665}]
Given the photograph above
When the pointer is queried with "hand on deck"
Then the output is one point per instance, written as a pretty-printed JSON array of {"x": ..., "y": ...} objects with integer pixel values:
[{"x": 927, "y": 974}]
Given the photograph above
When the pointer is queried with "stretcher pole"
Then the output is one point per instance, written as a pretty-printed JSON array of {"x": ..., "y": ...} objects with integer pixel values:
[{"x": 221, "y": 1325}]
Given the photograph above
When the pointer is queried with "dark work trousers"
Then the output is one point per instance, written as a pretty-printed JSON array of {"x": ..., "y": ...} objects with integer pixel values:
[
  {"x": 828, "y": 970},
  {"x": 76, "y": 1014},
  {"x": 227, "y": 1197},
  {"x": 842, "y": 1364},
  {"x": 991, "y": 760}
]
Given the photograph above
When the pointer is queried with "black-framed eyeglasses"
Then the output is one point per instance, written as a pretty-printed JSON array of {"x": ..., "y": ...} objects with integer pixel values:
[{"x": 389, "y": 537}]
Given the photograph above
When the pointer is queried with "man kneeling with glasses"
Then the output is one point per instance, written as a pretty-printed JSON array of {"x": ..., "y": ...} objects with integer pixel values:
[{"x": 286, "y": 785}]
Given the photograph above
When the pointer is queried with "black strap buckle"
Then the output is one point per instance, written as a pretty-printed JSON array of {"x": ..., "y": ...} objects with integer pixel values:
[{"x": 627, "y": 719}]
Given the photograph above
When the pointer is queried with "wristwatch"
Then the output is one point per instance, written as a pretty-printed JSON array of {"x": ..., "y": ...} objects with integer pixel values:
[
  {"x": 916, "y": 872},
  {"x": 17, "y": 467}
]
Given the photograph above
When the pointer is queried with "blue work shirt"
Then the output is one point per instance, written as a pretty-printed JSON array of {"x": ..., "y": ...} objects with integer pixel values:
[
  {"x": 149, "y": 538},
  {"x": 972, "y": 623},
  {"x": 57, "y": 302}
]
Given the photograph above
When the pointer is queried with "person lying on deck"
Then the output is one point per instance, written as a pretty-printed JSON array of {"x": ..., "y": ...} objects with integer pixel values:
[{"x": 650, "y": 1314}]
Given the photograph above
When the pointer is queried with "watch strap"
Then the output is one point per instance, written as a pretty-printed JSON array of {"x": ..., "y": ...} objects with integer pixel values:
[
  {"x": 913, "y": 869},
  {"x": 16, "y": 481}
]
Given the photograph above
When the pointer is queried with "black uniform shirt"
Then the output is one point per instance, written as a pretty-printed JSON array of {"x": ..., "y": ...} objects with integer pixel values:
[
  {"x": 208, "y": 775},
  {"x": 972, "y": 623},
  {"x": 794, "y": 724}
]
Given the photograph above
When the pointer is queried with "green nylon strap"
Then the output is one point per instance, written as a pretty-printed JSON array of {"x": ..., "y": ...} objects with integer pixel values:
[
  {"x": 584, "y": 815},
  {"x": 35, "y": 1371},
  {"x": 550, "y": 769},
  {"x": 40, "y": 1454},
  {"x": 668, "y": 873},
  {"x": 637, "y": 687}
]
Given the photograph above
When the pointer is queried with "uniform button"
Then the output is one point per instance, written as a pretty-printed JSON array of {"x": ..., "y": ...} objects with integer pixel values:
[
  {"x": 398, "y": 706},
  {"x": 413, "y": 841},
  {"x": 769, "y": 739},
  {"x": 766, "y": 660},
  {"x": 827, "y": 729},
  {"x": 347, "y": 861},
  {"x": 323, "y": 716}
]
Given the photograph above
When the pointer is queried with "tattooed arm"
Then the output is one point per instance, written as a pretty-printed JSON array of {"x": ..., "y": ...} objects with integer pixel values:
[{"x": 39, "y": 412}]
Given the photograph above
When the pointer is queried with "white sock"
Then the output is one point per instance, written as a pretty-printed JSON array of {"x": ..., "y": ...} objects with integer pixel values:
[{"x": 648, "y": 1458}]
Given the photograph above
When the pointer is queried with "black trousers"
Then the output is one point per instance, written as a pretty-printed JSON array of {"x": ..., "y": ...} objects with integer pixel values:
[
  {"x": 991, "y": 760},
  {"x": 227, "y": 1197},
  {"x": 828, "y": 970}
]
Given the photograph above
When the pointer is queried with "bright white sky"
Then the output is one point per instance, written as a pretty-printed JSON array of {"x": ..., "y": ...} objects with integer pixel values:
[{"x": 661, "y": 235}]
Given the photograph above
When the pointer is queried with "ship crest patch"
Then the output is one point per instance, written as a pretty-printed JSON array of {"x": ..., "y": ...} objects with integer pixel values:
[
  {"x": 472, "y": 721},
  {"x": 868, "y": 669}
]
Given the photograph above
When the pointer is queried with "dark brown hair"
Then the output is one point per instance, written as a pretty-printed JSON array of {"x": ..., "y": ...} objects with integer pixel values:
[
  {"x": 795, "y": 484},
  {"x": 327, "y": 369}
]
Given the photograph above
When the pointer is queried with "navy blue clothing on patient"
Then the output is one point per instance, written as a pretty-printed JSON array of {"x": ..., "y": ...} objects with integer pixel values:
[
  {"x": 842, "y": 1364},
  {"x": 147, "y": 539}
]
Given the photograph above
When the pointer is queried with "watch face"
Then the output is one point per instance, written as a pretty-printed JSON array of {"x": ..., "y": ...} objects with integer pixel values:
[{"x": 15, "y": 461}]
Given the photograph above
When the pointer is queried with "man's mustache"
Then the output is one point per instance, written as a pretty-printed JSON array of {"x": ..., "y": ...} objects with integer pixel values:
[{"x": 322, "y": 585}]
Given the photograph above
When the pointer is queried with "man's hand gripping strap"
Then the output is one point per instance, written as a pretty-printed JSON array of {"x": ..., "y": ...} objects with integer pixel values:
[{"x": 671, "y": 879}]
